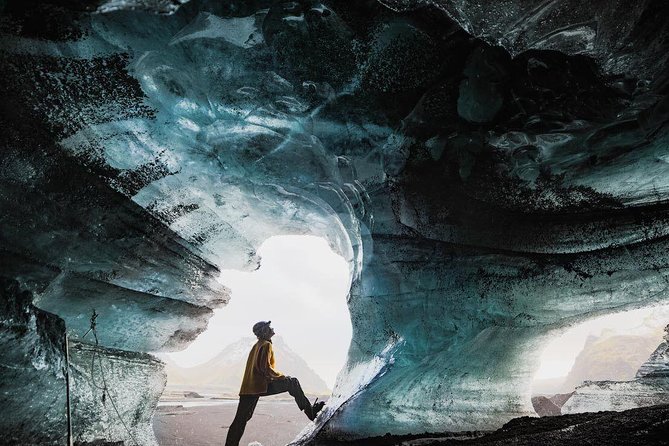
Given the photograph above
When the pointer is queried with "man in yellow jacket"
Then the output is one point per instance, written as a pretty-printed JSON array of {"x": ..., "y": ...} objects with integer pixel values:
[{"x": 261, "y": 379}]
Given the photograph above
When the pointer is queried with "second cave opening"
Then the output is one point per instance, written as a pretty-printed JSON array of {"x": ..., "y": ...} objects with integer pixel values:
[{"x": 608, "y": 348}]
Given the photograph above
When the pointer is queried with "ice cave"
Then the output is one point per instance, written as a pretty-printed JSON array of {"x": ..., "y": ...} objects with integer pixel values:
[{"x": 491, "y": 171}]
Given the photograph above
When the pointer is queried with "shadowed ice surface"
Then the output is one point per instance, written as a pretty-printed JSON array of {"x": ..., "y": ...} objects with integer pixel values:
[{"x": 492, "y": 173}]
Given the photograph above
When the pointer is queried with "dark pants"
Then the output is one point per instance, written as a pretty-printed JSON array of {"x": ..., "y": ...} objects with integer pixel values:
[{"x": 247, "y": 404}]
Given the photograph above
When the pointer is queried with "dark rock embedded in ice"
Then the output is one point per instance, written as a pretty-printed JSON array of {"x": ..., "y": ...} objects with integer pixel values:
[
  {"x": 482, "y": 91},
  {"x": 544, "y": 407}
]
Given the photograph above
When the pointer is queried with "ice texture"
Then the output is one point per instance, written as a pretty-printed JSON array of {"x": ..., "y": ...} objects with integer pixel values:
[
  {"x": 32, "y": 379},
  {"x": 127, "y": 320},
  {"x": 153, "y": 6},
  {"x": 492, "y": 174},
  {"x": 657, "y": 366},
  {"x": 106, "y": 403},
  {"x": 487, "y": 344},
  {"x": 597, "y": 396},
  {"x": 34, "y": 387},
  {"x": 615, "y": 32}
]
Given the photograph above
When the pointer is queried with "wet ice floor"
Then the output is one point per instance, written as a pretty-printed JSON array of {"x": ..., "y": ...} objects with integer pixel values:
[{"x": 274, "y": 423}]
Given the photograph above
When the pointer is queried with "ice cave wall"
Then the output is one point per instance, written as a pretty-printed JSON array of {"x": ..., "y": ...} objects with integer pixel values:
[{"x": 485, "y": 196}]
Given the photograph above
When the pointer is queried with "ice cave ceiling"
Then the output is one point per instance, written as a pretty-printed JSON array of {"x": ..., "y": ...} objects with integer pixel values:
[{"x": 493, "y": 172}]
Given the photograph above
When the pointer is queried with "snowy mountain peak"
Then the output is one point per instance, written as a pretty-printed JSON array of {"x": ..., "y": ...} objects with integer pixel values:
[{"x": 226, "y": 369}]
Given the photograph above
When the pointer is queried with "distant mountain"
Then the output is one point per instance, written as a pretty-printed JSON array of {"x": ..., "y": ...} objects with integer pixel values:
[
  {"x": 614, "y": 358},
  {"x": 606, "y": 357},
  {"x": 226, "y": 369}
]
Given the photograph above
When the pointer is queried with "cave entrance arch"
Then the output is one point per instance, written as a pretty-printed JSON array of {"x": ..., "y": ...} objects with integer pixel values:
[
  {"x": 301, "y": 286},
  {"x": 611, "y": 347}
]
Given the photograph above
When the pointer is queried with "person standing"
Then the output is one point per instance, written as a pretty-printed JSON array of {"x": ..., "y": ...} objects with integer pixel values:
[{"x": 262, "y": 379}]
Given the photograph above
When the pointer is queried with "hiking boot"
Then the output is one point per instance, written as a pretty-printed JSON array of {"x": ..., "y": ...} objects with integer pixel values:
[
  {"x": 317, "y": 407},
  {"x": 309, "y": 412},
  {"x": 312, "y": 410}
]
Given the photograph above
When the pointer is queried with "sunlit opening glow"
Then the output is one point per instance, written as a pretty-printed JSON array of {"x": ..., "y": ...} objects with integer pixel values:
[
  {"x": 301, "y": 286},
  {"x": 558, "y": 358}
]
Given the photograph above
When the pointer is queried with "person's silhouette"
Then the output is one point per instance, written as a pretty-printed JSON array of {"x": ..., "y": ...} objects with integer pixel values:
[{"x": 261, "y": 379}]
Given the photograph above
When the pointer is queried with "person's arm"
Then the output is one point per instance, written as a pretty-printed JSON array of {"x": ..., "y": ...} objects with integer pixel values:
[{"x": 265, "y": 359}]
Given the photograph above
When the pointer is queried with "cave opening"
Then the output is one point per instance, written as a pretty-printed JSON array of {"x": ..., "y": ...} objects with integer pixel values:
[
  {"x": 301, "y": 286},
  {"x": 609, "y": 348}
]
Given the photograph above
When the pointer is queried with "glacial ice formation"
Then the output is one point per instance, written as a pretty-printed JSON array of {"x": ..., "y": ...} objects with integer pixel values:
[
  {"x": 104, "y": 385},
  {"x": 616, "y": 33},
  {"x": 33, "y": 358},
  {"x": 102, "y": 381},
  {"x": 491, "y": 175},
  {"x": 657, "y": 366}
]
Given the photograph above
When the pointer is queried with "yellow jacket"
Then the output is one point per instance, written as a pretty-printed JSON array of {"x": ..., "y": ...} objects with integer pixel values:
[{"x": 259, "y": 369}]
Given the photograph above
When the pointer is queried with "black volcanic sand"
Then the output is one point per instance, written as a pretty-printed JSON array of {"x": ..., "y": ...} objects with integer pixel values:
[
  {"x": 274, "y": 423},
  {"x": 636, "y": 427}
]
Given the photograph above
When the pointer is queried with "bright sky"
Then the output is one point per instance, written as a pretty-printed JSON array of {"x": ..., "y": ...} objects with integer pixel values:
[
  {"x": 559, "y": 356},
  {"x": 301, "y": 287}
]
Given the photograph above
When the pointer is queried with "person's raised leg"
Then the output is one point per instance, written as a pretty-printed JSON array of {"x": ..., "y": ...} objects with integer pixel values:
[
  {"x": 295, "y": 390},
  {"x": 292, "y": 386},
  {"x": 247, "y": 404},
  {"x": 311, "y": 410}
]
